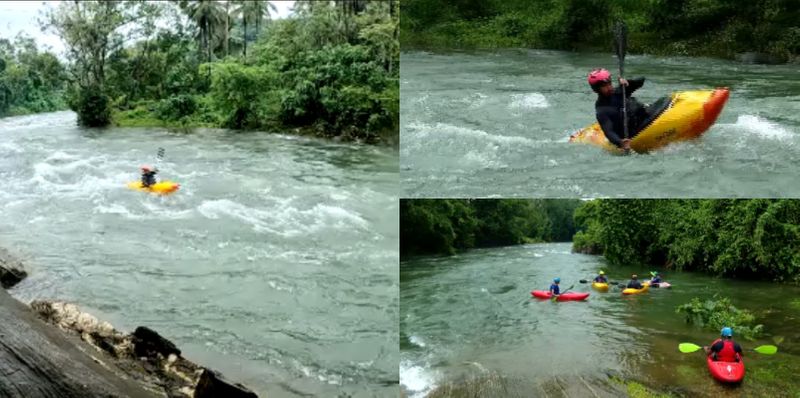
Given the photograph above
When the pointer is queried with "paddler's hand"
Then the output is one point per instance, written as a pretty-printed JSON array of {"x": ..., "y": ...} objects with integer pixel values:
[
  {"x": 623, "y": 81},
  {"x": 626, "y": 144}
]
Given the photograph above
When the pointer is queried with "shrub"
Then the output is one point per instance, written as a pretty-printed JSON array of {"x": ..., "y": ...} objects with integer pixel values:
[{"x": 714, "y": 314}]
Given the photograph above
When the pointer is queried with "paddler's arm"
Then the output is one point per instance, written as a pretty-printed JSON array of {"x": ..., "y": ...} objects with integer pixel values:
[
  {"x": 608, "y": 129},
  {"x": 633, "y": 85}
]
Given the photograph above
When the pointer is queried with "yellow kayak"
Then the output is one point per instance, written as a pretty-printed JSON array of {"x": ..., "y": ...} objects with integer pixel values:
[
  {"x": 603, "y": 287},
  {"x": 636, "y": 291},
  {"x": 682, "y": 116},
  {"x": 159, "y": 188}
]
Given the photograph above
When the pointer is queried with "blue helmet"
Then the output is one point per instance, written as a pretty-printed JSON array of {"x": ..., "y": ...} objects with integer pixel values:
[
  {"x": 727, "y": 332},
  {"x": 557, "y": 280}
]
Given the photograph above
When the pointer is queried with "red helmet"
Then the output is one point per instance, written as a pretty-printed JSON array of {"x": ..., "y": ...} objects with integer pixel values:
[
  {"x": 146, "y": 168},
  {"x": 599, "y": 76}
]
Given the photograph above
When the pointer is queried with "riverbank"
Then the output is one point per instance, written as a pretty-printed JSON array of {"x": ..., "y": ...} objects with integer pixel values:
[
  {"x": 755, "y": 32},
  {"x": 141, "y": 116},
  {"x": 68, "y": 353}
]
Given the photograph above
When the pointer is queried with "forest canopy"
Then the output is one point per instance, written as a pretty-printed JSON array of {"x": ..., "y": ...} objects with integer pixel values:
[
  {"x": 721, "y": 28},
  {"x": 330, "y": 69}
]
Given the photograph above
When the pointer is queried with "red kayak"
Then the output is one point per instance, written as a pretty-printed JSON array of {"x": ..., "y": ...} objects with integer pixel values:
[
  {"x": 726, "y": 372},
  {"x": 543, "y": 294}
]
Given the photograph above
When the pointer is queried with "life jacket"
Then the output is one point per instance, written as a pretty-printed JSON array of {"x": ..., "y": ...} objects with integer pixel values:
[{"x": 727, "y": 353}]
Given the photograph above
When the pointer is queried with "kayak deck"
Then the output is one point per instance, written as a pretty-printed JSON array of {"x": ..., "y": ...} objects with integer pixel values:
[
  {"x": 726, "y": 372},
  {"x": 160, "y": 188},
  {"x": 543, "y": 294}
]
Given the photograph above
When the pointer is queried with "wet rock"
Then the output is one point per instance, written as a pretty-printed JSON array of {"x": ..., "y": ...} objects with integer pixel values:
[
  {"x": 144, "y": 355},
  {"x": 37, "y": 360},
  {"x": 211, "y": 384},
  {"x": 11, "y": 270},
  {"x": 147, "y": 343}
]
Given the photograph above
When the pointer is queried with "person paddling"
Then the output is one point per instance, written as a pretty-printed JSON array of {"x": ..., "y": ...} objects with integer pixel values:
[
  {"x": 554, "y": 289},
  {"x": 656, "y": 278},
  {"x": 601, "y": 278},
  {"x": 634, "y": 283},
  {"x": 724, "y": 348},
  {"x": 148, "y": 176},
  {"x": 608, "y": 107}
]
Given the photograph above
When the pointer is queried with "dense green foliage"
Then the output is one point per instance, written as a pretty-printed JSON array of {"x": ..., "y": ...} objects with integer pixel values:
[
  {"x": 757, "y": 238},
  {"x": 714, "y": 314},
  {"x": 685, "y": 27},
  {"x": 331, "y": 69},
  {"x": 30, "y": 81},
  {"x": 444, "y": 226}
]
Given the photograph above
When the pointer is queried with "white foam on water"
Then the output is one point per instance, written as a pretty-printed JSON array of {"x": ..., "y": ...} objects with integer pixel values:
[
  {"x": 528, "y": 101},
  {"x": 10, "y": 147},
  {"x": 763, "y": 128},
  {"x": 416, "y": 380},
  {"x": 285, "y": 221},
  {"x": 416, "y": 340}
]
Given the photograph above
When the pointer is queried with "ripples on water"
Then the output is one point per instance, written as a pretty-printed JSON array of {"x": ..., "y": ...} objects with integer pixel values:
[
  {"x": 275, "y": 263},
  {"x": 497, "y": 125}
]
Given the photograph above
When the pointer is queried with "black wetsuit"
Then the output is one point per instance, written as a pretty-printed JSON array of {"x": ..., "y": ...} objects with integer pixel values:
[
  {"x": 634, "y": 284},
  {"x": 148, "y": 178},
  {"x": 609, "y": 113}
]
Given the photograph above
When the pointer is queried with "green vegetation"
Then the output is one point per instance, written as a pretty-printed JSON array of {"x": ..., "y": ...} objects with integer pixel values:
[
  {"x": 637, "y": 390},
  {"x": 684, "y": 27},
  {"x": 331, "y": 69},
  {"x": 30, "y": 81},
  {"x": 716, "y": 313},
  {"x": 756, "y": 238},
  {"x": 444, "y": 226}
]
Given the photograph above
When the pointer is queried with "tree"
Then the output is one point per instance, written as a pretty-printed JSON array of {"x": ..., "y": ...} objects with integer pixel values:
[
  {"x": 208, "y": 15},
  {"x": 253, "y": 11},
  {"x": 92, "y": 31}
]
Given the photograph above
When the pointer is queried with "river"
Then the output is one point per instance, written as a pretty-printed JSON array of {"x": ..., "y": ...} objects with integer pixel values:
[
  {"x": 496, "y": 124},
  {"x": 471, "y": 316},
  {"x": 275, "y": 263}
]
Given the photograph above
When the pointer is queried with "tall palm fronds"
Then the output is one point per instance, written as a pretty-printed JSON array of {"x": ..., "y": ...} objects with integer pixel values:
[
  {"x": 253, "y": 11},
  {"x": 209, "y": 15}
]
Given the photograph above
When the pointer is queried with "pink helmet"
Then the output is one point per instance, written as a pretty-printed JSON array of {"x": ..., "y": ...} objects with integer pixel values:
[
  {"x": 146, "y": 168},
  {"x": 599, "y": 76}
]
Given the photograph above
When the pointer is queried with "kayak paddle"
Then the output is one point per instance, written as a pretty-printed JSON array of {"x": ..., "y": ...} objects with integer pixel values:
[
  {"x": 621, "y": 46},
  {"x": 159, "y": 157},
  {"x": 555, "y": 297},
  {"x": 764, "y": 349},
  {"x": 588, "y": 281}
]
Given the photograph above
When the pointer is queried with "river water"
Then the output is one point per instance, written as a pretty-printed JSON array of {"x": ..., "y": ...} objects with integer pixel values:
[
  {"x": 471, "y": 316},
  {"x": 496, "y": 124},
  {"x": 275, "y": 263}
]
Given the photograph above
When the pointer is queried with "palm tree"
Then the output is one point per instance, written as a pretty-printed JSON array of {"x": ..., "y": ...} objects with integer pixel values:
[
  {"x": 208, "y": 15},
  {"x": 253, "y": 10}
]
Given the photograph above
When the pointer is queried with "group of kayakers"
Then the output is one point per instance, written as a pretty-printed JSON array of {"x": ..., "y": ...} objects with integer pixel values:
[
  {"x": 634, "y": 283},
  {"x": 723, "y": 349}
]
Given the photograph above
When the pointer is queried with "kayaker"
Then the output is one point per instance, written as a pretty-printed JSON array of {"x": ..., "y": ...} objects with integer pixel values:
[
  {"x": 656, "y": 278},
  {"x": 601, "y": 277},
  {"x": 608, "y": 107},
  {"x": 724, "y": 348},
  {"x": 148, "y": 176},
  {"x": 554, "y": 289},
  {"x": 634, "y": 283}
]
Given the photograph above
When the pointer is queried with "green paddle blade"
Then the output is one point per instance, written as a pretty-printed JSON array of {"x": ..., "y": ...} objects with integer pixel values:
[
  {"x": 688, "y": 347},
  {"x": 766, "y": 349}
]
